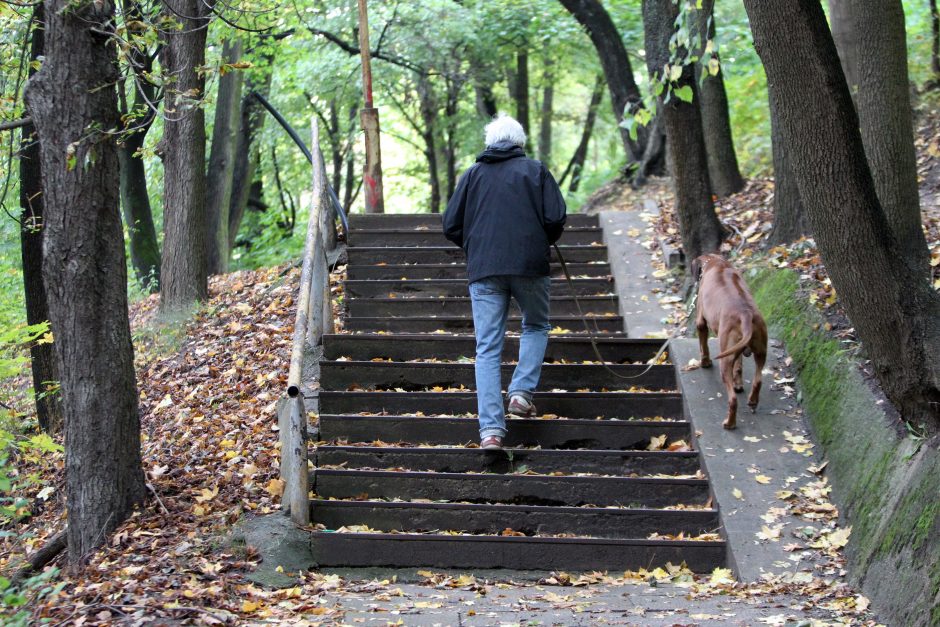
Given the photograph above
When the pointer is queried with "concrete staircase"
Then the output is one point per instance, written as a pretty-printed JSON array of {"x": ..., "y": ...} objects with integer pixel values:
[{"x": 399, "y": 479}]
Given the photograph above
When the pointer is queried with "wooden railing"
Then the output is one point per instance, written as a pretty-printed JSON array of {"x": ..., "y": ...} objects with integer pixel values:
[{"x": 314, "y": 319}]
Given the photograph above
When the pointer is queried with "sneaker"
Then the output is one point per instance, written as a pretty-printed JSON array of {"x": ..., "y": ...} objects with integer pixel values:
[
  {"x": 491, "y": 443},
  {"x": 520, "y": 407}
]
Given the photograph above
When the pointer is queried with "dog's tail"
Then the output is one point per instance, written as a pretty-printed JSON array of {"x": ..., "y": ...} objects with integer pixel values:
[{"x": 747, "y": 331}]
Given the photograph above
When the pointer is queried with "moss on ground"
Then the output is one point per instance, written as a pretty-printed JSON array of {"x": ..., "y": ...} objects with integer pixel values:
[{"x": 886, "y": 484}]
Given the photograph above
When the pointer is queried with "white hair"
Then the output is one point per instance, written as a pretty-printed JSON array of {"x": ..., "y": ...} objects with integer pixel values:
[{"x": 504, "y": 129}]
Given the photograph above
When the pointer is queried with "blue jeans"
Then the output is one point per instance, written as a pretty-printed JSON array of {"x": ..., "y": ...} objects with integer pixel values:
[{"x": 490, "y": 298}]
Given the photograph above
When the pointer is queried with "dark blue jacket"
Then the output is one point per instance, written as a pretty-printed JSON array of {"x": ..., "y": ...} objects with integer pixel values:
[{"x": 505, "y": 213}]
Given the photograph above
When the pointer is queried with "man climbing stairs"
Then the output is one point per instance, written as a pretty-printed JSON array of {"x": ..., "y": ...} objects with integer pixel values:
[{"x": 605, "y": 478}]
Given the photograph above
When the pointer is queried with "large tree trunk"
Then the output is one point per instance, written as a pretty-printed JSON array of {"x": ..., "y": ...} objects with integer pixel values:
[
  {"x": 719, "y": 143},
  {"x": 183, "y": 273},
  {"x": 876, "y": 29},
  {"x": 135, "y": 200},
  {"x": 85, "y": 270},
  {"x": 699, "y": 227},
  {"x": 221, "y": 161},
  {"x": 485, "y": 100},
  {"x": 789, "y": 217},
  {"x": 546, "y": 114},
  {"x": 624, "y": 93},
  {"x": 576, "y": 165},
  {"x": 42, "y": 356},
  {"x": 844, "y": 34},
  {"x": 893, "y": 308}
]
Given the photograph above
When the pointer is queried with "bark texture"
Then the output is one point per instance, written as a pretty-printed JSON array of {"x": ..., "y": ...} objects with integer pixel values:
[
  {"x": 935, "y": 43},
  {"x": 789, "y": 218},
  {"x": 885, "y": 116},
  {"x": 42, "y": 356},
  {"x": 713, "y": 100},
  {"x": 520, "y": 89},
  {"x": 893, "y": 308},
  {"x": 85, "y": 270},
  {"x": 222, "y": 161},
  {"x": 699, "y": 227},
  {"x": 612, "y": 54},
  {"x": 183, "y": 272}
]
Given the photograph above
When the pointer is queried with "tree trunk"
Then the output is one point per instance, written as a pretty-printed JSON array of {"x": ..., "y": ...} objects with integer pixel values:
[
  {"x": 135, "y": 200},
  {"x": 893, "y": 308},
  {"x": 247, "y": 153},
  {"x": 183, "y": 272},
  {"x": 844, "y": 34},
  {"x": 789, "y": 217},
  {"x": 428, "y": 107},
  {"x": 352, "y": 185},
  {"x": 935, "y": 42},
  {"x": 699, "y": 227},
  {"x": 485, "y": 100},
  {"x": 624, "y": 93},
  {"x": 576, "y": 165},
  {"x": 450, "y": 139},
  {"x": 884, "y": 111},
  {"x": 520, "y": 91},
  {"x": 713, "y": 100},
  {"x": 85, "y": 270},
  {"x": 42, "y": 356},
  {"x": 545, "y": 118},
  {"x": 336, "y": 151},
  {"x": 221, "y": 161}
]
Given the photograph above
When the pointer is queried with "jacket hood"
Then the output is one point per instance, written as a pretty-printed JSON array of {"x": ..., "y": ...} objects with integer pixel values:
[{"x": 500, "y": 151}]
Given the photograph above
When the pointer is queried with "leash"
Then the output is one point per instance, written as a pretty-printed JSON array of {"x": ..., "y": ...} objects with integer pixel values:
[{"x": 593, "y": 338}]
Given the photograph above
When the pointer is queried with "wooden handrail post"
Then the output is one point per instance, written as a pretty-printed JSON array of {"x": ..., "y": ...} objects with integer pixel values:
[{"x": 369, "y": 115}]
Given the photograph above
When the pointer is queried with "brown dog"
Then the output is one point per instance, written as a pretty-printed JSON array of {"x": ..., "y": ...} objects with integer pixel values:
[{"x": 727, "y": 309}]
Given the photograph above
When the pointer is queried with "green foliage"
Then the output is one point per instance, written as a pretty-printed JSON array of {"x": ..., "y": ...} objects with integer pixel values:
[{"x": 14, "y": 599}]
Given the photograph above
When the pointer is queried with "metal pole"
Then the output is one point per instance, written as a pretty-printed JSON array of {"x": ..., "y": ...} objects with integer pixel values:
[{"x": 372, "y": 177}]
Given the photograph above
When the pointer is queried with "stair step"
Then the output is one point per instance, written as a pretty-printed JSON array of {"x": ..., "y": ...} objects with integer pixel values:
[
  {"x": 579, "y": 236},
  {"x": 548, "y": 434},
  {"x": 458, "y": 287},
  {"x": 461, "y": 306},
  {"x": 621, "y": 405},
  {"x": 446, "y": 252},
  {"x": 515, "y": 489},
  {"x": 528, "y": 519},
  {"x": 571, "y": 325},
  {"x": 522, "y": 553},
  {"x": 403, "y": 346},
  {"x": 415, "y": 272},
  {"x": 542, "y": 461},
  {"x": 434, "y": 220},
  {"x": 341, "y": 375}
]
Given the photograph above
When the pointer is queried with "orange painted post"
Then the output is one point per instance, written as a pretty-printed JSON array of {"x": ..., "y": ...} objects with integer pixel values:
[{"x": 372, "y": 176}]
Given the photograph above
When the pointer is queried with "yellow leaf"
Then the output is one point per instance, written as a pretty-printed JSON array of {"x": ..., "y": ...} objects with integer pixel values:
[
  {"x": 738, "y": 494},
  {"x": 722, "y": 575},
  {"x": 199, "y": 510},
  {"x": 207, "y": 495},
  {"x": 657, "y": 442},
  {"x": 275, "y": 487},
  {"x": 249, "y": 606},
  {"x": 764, "y": 479}
]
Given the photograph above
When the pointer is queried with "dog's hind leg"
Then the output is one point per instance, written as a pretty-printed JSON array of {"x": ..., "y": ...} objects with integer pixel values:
[
  {"x": 739, "y": 373},
  {"x": 760, "y": 356},
  {"x": 727, "y": 377},
  {"x": 701, "y": 326}
]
